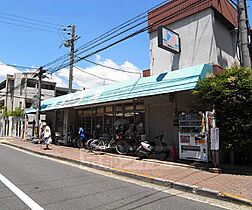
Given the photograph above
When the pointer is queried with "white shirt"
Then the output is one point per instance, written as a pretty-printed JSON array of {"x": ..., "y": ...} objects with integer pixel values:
[{"x": 47, "y": 132}]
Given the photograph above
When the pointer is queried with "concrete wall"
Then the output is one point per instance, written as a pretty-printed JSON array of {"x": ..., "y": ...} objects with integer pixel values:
[
  {"x": 9, "y": 99},
  {"x": 204, "y": 39},
  {"x": 21, "y": 92},
  {"x": 161, "y": 114},
  {"x": 225, "y": 44}
]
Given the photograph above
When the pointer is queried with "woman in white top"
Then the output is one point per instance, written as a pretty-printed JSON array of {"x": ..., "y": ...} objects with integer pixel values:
[{"x": 47, "y": 135}]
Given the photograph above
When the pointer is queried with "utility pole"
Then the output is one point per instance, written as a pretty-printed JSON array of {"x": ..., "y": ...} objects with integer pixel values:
[
  {"x": 71, "y": 60},
  {"x": 70, "y": 43},
  {"x": 243, "y": 34},
  {"x": 40, "y": 76}
]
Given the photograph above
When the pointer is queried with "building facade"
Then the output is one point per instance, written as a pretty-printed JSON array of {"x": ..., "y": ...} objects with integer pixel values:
[
  {"x": 207, "y": 31},
  {"x": 21, "y": 91}
]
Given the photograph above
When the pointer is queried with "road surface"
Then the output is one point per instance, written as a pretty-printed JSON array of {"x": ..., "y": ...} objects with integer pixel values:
[{"x": 53, "y": 185}]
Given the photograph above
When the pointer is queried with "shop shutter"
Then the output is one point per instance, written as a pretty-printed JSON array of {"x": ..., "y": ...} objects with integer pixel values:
[{"x": 161, "y": 122}]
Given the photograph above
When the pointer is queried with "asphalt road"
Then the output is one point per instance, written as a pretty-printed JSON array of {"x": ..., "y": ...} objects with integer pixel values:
[{"x": 54, "y": 185}]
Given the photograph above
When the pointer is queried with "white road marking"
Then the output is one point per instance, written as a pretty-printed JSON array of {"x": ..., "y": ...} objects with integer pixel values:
[
  {"x": 189, "y": 196},
  {"x": 25, "y": 198}
]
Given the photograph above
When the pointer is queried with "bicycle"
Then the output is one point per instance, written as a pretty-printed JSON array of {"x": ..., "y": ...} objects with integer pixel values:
[
  {"x": 73, "y": 141},
  {"x": 102, "y": 144},
  {"x": 127, "y": 145}
]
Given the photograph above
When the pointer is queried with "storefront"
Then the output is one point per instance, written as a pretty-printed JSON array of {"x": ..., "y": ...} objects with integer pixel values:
[
  {"x": 154, "y": 102},
  {"x": 132, "y": 112}
]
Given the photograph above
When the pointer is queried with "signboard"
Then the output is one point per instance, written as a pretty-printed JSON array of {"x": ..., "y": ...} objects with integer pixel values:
[
  {"x": 215, "y": 139},
  {"x": 168, "y": 40}
]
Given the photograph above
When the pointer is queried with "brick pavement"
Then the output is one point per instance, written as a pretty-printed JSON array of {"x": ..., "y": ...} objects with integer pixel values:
[{"x": 238, "y": 186}]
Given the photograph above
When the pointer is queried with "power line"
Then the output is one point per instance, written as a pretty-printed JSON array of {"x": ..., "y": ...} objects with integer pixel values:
[
  {"x": 126, "y": 30},
  {"x": 108, "y": 33},
  {"x": 18, "y": 66},
  {"x": 233, "y": 2},
  {"x": 26, "y": 22},
  {"x": 91, "y": 43},
  {"x": 109, "y": 67},
  {"x": 102, "y": 78},
  {"x": 101, "y": 49},
  {"x": 125, "y": 24},
  {"x": 25, "y": 26},
  {"x": 31, "y": 19},
  {"x": 191, "y": 6}
]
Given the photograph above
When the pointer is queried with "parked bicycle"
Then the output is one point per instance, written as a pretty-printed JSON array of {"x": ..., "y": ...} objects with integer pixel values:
[
  {"x": 102, "y": 144},
  {"x": 59, "y": 139},
  {"x": 127, "y": 144}
]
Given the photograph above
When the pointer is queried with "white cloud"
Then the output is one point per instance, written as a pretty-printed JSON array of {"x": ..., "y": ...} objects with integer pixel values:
[
  {"x": 89, "y": 77},
  {"x": 4, "y": 70},
  {"x": 60, "y": 82},
  {"x": 96, "y": 75}
]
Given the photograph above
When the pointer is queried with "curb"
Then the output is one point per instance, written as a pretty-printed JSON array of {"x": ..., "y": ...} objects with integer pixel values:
[{"x": 162, "y": 182}]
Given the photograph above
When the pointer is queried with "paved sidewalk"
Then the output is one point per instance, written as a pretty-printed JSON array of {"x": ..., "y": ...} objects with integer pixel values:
[{"x": 179, "y": 176}]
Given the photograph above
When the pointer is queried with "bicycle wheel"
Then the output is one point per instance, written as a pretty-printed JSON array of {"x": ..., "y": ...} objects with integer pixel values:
[
  {"x": 111, "y": 145},
  {"x": 89, "y": 143},
  {"x": 96, "y": 146},
  {"x": 122, "y": 147}
]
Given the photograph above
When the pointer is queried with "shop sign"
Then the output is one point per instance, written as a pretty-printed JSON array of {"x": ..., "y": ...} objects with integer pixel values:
[
  {"x": 168, "y": 40},
  {"x": 215, "y": 139}
]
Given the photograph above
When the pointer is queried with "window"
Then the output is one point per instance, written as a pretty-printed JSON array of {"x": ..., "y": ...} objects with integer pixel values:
[
  {"x": 28, "y": 104},
  {"x": 119, "y": 108},
  {"x": 2, "y": 102},
  {"x": 109, "y": 109},
  {"x": 31, "y": 83},
  {"x": 100, "y": 110},
  {"x": 140, "y": 107},
  {"x": 128, "y": 107},
  {"x": 87, "y": 112},
  {"x": 47, "y": 86}
]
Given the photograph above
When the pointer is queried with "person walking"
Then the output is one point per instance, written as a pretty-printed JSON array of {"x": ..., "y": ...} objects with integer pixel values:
[
  {"x": 97, "y": 132},
  {"x": 81, "y": 137},
  {"x": 46, "y": 135}
]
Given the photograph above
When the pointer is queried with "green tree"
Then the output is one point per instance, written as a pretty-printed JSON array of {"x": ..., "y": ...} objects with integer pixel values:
[
  {"x": 18, "y": 112},
  {"x": 230, "y": 93}
]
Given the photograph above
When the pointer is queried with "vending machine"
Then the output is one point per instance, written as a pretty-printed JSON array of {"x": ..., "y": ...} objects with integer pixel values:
[{"x": 193, "y": 139}]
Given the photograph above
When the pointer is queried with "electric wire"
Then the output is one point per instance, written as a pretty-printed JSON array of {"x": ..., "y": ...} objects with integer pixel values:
[
  {"x": 25, "y": 26},
  {"x": 30, "y": 23},
  {"x": 196, "y": 4},
  {"x": 109, "y": 67},
  {"x": 18, "y": 66},
  {"x": 126, "y": 30},
  {"x": 94, "y": 75},
  {"x": 112, "y": 44},
  {"x": 91, "y": 47},
  {"x": 106, "y": 34},
  {"x": 125, "y": 24},
  {"x": 31, "y": 19}
]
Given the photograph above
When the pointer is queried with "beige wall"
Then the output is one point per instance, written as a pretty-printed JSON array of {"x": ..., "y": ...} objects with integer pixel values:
[{"x": 161, "y": 114}]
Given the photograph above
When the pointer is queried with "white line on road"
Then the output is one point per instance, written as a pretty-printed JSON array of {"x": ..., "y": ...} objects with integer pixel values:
[
  {"x": 25, "y": 198},
  {"x": 185, "y": 195}
]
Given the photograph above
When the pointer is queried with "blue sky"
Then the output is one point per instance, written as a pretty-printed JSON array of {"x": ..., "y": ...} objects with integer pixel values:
[{"x": 30, "y": 47}]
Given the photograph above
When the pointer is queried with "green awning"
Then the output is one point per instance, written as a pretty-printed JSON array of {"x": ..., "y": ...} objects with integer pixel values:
[{"x": 167, "y": 82}]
